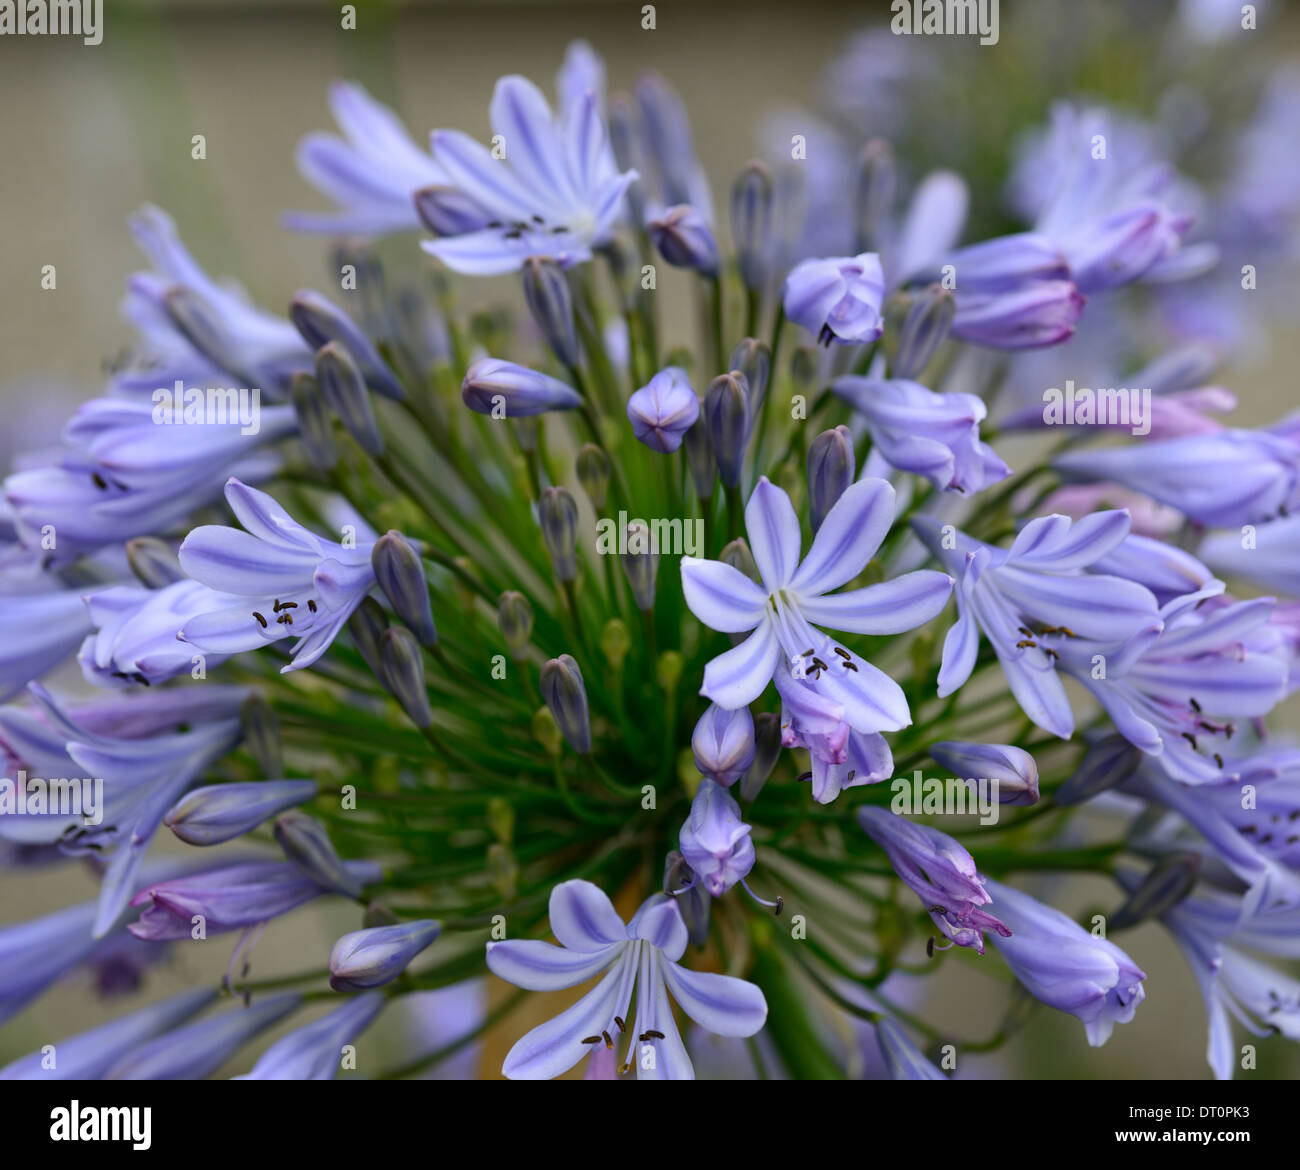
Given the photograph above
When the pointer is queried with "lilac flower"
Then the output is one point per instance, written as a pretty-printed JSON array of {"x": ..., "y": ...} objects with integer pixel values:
[
  {"x": 197, "y": 1050},
  {"x": 312, "y": 1053},
  {"x": 90, "y": 1055},
  {"x": 142, "y": 778},
  {"x": 1220, "y": 480},
  {"x": 37, "y": 632},
  {"x": 556, "y": 192},
  {"x": 715, "y": 840},
  {"x": 723, "y": 743},
  {"x": 929, "y": 434},
  {"x": 506, "y": 390},
  {"x": 841, "y": 756},
  {"x": 232, "y": 898},
  {"x": 127, "y": 476},
  {"x": 1270, "y": 558},
  {"x": 135, "y": 632},
  {"x": 1030, "y": 316},
  {"x": 903, "y": 1059},
  {"x": 939, "y": 871},
  {"x": 293, "y": 583},
  {"x": 1065, "y": 966},
  {"x": 196, "y": 330},
  {"x": 371, "y": 173},
  {"x": 1163, "y": 568},
  {"x": 641, "y": 956},
  {"x": 1011, "y": 770},
  {"x": 684, "y": 238},
  {"x": 837, "y": 299},
  {"x": 370, "y": 958},
  {"x": 1023, "y": 597},
  {"x": 663, "y": 410},
  {"x": 796, "y": 593}
]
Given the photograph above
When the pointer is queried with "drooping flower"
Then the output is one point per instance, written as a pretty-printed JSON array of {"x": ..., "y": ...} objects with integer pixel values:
[
  {"x": 642, "y": 956},
  {"x": 939, "y": 871},
  {"x": 837, "y": 299},
  {"x": 555, "y": 190},
  {"x": 1065, "y": 966},
  {"x": 293, "y": 583},
  {"x": 715, "y": 841},
  {"x": 796, "y": 593},
  {"x": 371, "y": 173}
]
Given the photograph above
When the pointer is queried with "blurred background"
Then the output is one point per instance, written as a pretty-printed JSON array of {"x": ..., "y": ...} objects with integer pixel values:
[{"x": 88, "y": 134}]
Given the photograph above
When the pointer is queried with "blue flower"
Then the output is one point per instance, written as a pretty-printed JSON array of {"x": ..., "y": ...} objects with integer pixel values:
[
  {"x": 642, "y": 956},
  {"x": 794, "y": 594},
  {"x": 664, "y": 409},
  {"x": 715, "y": 841},
  {"x": 837, "y": 299}
]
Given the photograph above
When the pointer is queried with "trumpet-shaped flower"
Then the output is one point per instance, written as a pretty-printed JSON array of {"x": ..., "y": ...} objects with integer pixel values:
[{"x": 642, "y": 957}]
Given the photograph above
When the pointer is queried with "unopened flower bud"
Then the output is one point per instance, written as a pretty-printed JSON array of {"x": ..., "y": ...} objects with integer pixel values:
[
  {"x": 641, "y": 564},
  {"x": 663, "y": 410},
  {"x": 305, "y": 842},
  {"x": 1109, "y": 762},
  {"x": 403, "y": 673},
  {"x": 685, "y": 239},
  {"x": 315, "y": 427},
  {"x": 321, "y": 322},
  {"x": 501, "y": 819},
  {"x": 593, "y": 474},
  {"x": 557, "y": 511},
  {"x": 875, "y": 193},
  {"x": 700, "y": 459},
  {"x": 222, "y": 812},
  {"x": 262, "y": 734},
  {"x": 400, "y": 574},
  {"x": 693, "y": 902},
  {"x": 831, "y": 468},
  {"x": 515, "y": 617},
  {"x": 503, "y": 389},
  {"x": 1168, "y": 883},
  {"x": 546, "y": 732},
  {"x": 154, "y": 562},
  {"x": 753, "y": 359},
  {"x": 546, "y": 290},
  {"x": 345, "y": 390},
  {"x": 1011, "y": 769},
  {"x": 366, "y": 625},
  {"x": 751, "y": 224},
  {"x": 615, "y": 642},
  {"x": 737, "y": 555},
  {"x": 566, "y": 696},
  {"x": 723, "y": 743},
  {"x": 767, "y": 750},
  {"x": 726, "y": 414},
  {"x": 924, "y": 328},
  {"x": 371, "y": 958},
  {"x": 668, "y": 670}
]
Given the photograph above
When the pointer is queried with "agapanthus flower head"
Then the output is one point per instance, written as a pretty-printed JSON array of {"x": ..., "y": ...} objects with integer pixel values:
[{"x": 642, "y": 957}]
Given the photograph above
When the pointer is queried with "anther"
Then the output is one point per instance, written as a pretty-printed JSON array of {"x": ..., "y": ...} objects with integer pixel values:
[{"x": 261, "y": 620}]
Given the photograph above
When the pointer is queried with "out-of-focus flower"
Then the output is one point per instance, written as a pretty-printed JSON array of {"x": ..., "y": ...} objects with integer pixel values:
[
  {"x": 663, "y": 410},
  {"x": 837, "y": 299}
]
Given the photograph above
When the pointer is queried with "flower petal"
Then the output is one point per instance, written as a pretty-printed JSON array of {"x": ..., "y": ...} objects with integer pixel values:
[
  {"x": 889, "y": 608},
  {"x": 722, "y": 1004},
  {"x": 583, "y": 918},
  {"x": 847, "y": 539},
  {"x": 542, "y": 966},
  {"x": 721, "y": 596},
  {"x": 774, "y": 536},
  {"x": 738, "y": 677}
]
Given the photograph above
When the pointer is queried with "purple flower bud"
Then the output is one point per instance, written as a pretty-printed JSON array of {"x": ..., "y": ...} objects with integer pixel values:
[
  {"x": 641, "y": 564},
  {"x": 321, "y": 322},
  {"x": 222, "y": 812},
  {"x": 366, "y": 625},
  {"x": 685, "y": 239},
  {"x": 726, "y": 414},
  {"x": 557, "y": 512},
  {"x": 307, "y": 845},
  {"x": 312, "y": 1053},
  {"x": 154, "y": 562},
  {"x": 723, "y": 743},
  {"x": 546, "y": 291},
  {"x": 831, "y": 468},
  {"x": 714, "y": 841},
  {"x": 371, "y": 958},
  {"x": 400, "y": 574},
  {"x": 566, "y": 698},
  {"x": 767, "y": 750},
  {"x": 1012, "y": 771},
  {"x": 448, "y": 211},
  {"x": 1109, "y": 762},
  {"x": 924, "y": 328},
  {"x": 736, "y": 553},
  {"x": 593, "y": 468},
  {"x": 262, "y": 734},
  {"x": 663, "y": 410},
  {"x": 506, "y": 390},
  {"x": 877, "y": 173},
  {"x": 700, "y": 460},
  {"x": 345, "y": 390},
  {"x": 515, "y": 617},
  {"x": 197, "y": 1050},
  {"x": 837, "y": 299},
  {"x": 315, "y": 427},
  {"x": 1065, "y": 966},
  {"x": 751, "y": 224},
  {"x": 1034, "y": 315},
  {"x": 939, "y": 871},
  {"x": 1169, "y": 881},
  {"x": 693, "y": 900},
  {"x": 402, "y": 665}
]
